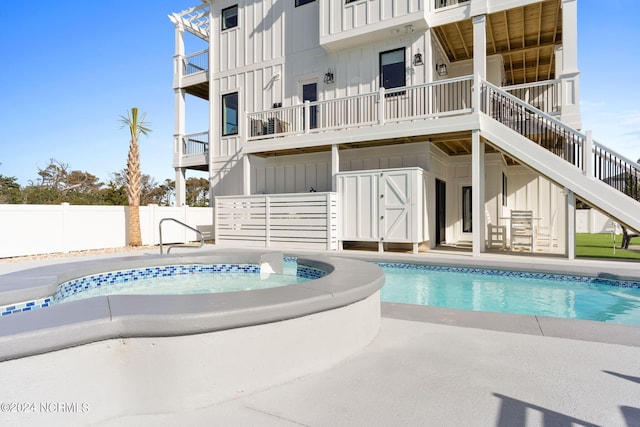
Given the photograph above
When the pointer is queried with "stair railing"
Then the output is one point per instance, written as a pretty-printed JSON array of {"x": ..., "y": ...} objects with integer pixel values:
[
  {"x": 534, "y": 124},
  {"x": 616, "y": 170},
  {"x": 198, "y": 232}
]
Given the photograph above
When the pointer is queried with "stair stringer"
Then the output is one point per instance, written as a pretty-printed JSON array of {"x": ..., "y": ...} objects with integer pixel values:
[{"x": 596, "y": 193}]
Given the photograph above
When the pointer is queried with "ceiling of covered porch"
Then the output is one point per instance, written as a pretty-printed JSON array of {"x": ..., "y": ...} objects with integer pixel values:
[
  {"x": 525, "y": 37},
  {"x": 450, "y": 143}
]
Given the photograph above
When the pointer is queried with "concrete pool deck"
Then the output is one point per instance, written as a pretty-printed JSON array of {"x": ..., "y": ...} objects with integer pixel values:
[{"x": 449, "y": 368}]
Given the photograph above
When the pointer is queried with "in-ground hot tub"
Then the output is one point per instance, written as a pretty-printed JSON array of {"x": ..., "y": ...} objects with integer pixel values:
[{"x": 122, "y": 355}]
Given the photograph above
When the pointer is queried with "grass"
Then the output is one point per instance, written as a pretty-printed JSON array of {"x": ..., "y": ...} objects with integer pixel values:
[{"x": 601, "y": 246}]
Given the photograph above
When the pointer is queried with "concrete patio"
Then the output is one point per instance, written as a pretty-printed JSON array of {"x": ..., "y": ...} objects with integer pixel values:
[{"x": 442, "y": 367}]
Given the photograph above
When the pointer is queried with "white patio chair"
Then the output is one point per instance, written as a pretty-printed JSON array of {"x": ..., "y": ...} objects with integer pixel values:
[
  {"x": 545, "y": 234},
  {"x": 522, "y": 230},
  {"x": 496, "y": 234}
]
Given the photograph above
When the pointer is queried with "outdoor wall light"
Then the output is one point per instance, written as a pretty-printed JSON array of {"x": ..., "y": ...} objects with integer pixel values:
[
  {"x": 441, "y": 69},
  {"x": 328, "y": 77},
  {"x": 417, "y": 58}
]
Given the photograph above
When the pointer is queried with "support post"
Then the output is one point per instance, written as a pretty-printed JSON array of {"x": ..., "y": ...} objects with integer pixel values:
[
  {"x": 179, "y": 118},
  {"x": 477, "y": 195},
  {"x": 381, "y": 106},
  {"x": 181, "y": 188},
  {"x": 570, "y": 228},
  {"x": 480, "y": 46},
  {"x": 246, "y": 175},
  {"x": 335, "y": 167},
  {"x": 587, "y": 157}
]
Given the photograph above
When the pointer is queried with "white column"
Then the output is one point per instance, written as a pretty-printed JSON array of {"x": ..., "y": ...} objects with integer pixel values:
[
  {"x": 587, "y": 155},
  {"x": 335, "y": 166},
  {"x": 246, "y": 175},
  {"x": 179, "y": 118},
  {"x": 477, "y": 195},
  {"x": 480, "y": 46},
  {"x": 214, "y": 114},
  {"x": 567, "y": 65},
  {"x": 181, "y": 188},
  {"x": 570, "y": 228},
  {"x": 570, "y": 36}
]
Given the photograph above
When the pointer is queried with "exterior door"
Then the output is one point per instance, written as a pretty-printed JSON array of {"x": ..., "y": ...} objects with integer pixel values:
[
  {"x": 310, "y": 93},
  {"x": 394, "y": 206},
  {"x": 441, "y": 212}
]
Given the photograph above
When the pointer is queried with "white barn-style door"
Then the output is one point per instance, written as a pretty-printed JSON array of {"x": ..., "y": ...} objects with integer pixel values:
[{"x": 395, "y": 206}]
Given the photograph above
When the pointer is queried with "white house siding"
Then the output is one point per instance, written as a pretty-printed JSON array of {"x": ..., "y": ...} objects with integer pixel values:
[
  {"x": 362, "y": 21},
  {"x": 291, "y": 174},
  {"x": 300, "y": 173},
  {"x": 528, "y": 190}
]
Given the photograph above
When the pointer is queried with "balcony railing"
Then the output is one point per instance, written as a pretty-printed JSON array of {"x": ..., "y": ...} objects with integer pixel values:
[
  {"x": 437, "y": 99},
  {"x": 545, "y": 96},
  {"x": 196, "y": 62},
  {"x": 195, "y": 144},
  {"x": 439, "y": 4}
]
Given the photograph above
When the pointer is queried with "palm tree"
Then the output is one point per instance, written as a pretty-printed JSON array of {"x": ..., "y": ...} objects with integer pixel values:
[{"x": 137, "y": 126}]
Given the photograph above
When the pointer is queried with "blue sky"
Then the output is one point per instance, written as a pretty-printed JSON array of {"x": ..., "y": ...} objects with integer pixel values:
[{"x": 70, "y": 71}]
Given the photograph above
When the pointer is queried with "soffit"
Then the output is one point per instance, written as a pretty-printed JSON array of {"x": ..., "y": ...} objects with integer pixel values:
[{"x": 525, "y": 37}]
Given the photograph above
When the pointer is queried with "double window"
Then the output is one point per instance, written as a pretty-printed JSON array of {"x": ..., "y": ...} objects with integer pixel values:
[
  {"x": 230, "y": 114},
  {"x": 230, "y": 17}
]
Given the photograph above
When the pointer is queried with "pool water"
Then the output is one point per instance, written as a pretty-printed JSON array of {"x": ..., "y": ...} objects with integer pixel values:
[
  {"x": 177, "y": 280},
  {"x": 553, "y": 295}
]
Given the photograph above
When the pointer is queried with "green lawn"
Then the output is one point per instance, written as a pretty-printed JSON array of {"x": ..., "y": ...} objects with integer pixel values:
[{"x": 601, "y": 246}]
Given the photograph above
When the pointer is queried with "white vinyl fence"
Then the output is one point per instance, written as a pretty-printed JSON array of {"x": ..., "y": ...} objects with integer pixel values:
[
  {"x": 42, "y": 229},
  {"x": 592, "y": 221}
]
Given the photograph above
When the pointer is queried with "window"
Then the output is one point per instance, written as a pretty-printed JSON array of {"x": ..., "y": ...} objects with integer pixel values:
[
  {"x": 230, "y": 114},
  {"x": 467, "y": 225},
  {"x": 230, "y": 17},
  {"x": 392, "y": 69},
  {"x": 504, "y": 189},
  {"x": 349, "y": 1},
  {"x": 301, "y": 2}
]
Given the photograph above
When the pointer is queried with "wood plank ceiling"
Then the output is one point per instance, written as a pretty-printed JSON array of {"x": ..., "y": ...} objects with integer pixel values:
[{"x": 526, "y": 38}]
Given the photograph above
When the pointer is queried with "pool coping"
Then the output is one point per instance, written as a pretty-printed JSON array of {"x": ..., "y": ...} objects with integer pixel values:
[
  {"x": 576, "y": 329},
  {"x": 125, "y": 316}
]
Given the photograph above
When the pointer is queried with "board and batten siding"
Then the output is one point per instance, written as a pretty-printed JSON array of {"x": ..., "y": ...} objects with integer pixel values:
[
  {"x": 299, "y": 173},
  {"x": 338, "y": 17}
]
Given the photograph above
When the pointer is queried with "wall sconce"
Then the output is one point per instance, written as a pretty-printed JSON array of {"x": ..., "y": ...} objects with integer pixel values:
[
  {"x": 328, "y": 77},
  {"x": 441, "y": 69},
  {"x": 417, "y": 58}
]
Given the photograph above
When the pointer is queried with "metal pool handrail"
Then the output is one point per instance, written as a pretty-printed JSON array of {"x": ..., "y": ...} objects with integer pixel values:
[{"x": 184, "y": 225}]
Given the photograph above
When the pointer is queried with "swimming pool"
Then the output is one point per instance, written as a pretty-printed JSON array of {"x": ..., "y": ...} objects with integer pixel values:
[{"x": 554, "y": 295}]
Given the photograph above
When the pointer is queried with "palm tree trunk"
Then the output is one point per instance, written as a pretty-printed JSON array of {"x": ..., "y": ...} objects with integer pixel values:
[
  {"x": 133, "y": 193},
  {"x": 134, "y": 226},
  {"x": 134, "y": 176}
]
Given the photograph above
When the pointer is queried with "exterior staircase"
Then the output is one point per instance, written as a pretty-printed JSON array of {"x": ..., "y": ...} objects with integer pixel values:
[{"x": 604, "y": 179}]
